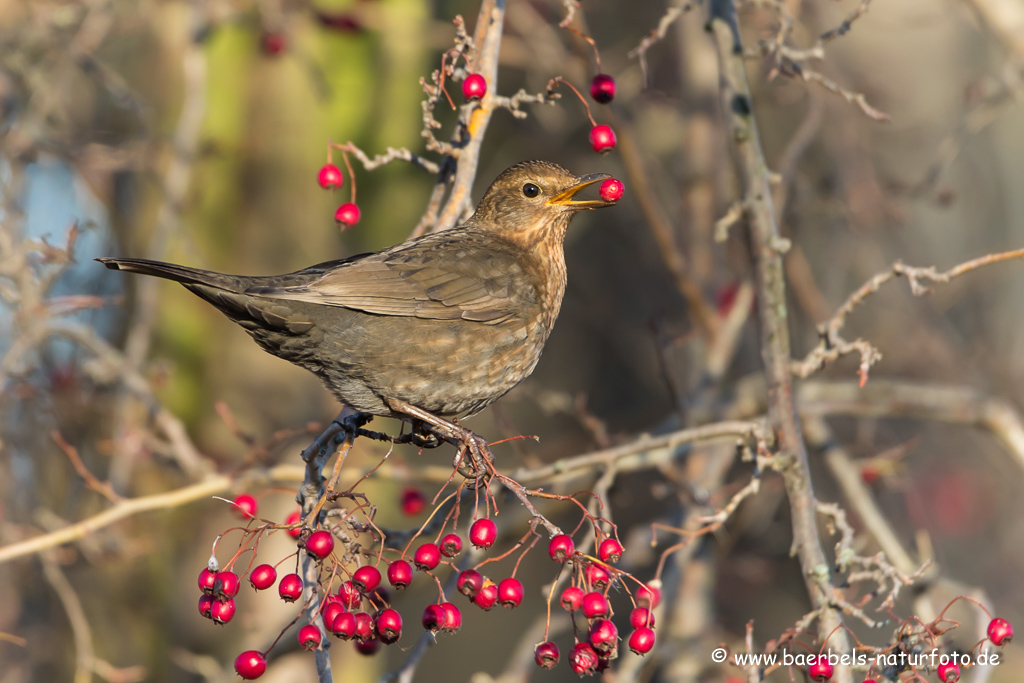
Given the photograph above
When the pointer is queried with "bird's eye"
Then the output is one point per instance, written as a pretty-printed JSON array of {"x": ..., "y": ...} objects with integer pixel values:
[{"x": 530, "y": 190}]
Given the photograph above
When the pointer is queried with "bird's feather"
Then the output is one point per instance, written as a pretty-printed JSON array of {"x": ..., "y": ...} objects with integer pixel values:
[{"x": 468, "y": 279}]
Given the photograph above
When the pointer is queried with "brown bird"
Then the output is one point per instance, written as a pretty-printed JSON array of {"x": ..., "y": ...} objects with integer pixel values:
[{"x": 437, "y": 327}]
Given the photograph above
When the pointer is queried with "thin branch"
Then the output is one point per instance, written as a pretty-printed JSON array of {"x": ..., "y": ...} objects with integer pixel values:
[
  {"x": 791, "y": 460},
  {"x": 390, "y": 155},
  {"x": 129, "y": 507},
  {"x": 84, "y": 653},
  {"x": 658, "y": 33},
  {"x": 474, "y": 117},
  {"x": 832, "y": 346}
]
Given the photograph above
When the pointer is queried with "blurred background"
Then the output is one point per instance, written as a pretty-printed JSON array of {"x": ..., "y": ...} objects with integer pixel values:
[{"x": 193, "y": 132}]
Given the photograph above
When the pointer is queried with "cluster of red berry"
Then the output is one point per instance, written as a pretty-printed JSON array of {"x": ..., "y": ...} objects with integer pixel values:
[
  {"x": 1000, "y": 632},
  {"x": 360, "y": 610},
  {"x": 588, "y": 593},
  {"x": 331, "y": 178}
]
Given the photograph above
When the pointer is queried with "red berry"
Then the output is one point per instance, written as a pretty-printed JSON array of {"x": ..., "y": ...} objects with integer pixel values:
[
  {"x": 364, "y": 626},
  {"x": 413, "y": 501},
  {"x": 273, "y": 44},
  {"x": 948, "y": 672},
  {"x": 602, "y": 138},
  {"x": 603, "y": 636},
  {"x": 561, "y": 548},
  {"x": 546, "y": 655},
  {"x": 331, "y": 611},
  {"x": 427, "y": 557},
  {"x": 487, "y": 596},
  {"x": 433, "y": 618},
  {"x": 820, "y": 669},
  {"x": 262, "y": 577},
  {"x": 470, "y": 582},
  {"x": 597, "y": 576},
  {"x": 226, "y": 585},
  {"x": 641, "y": 640},
  {"x": 389, "y": 626},
  {"x": 583, "y": 660},
  {"x": 330, "y": 177},
  {"x": 205, "y": 605},
  {"x": 206, "y": 581},
  {"x": 612, "y": 190},
  {"x": 366, "y": 579},
  {"x": 245, "y": 506},
  {"x": 510, "y": 593},
  {"x": 250, "y": 664},
  {"x": 343, "y": 625},
  {"x": 452, "y": 617},
  {"x": 400, "y": 573},
  {"x": 320, "y": 544},
  {"x": 649, "y": 595},
  {"x": 572, "y": 598},
  {"x": 474, "y": 87},
  {"x": 602, "y": 88},
  {"x": 349, "y": 595},
  {"x": 1000, "y": 631},
  {"x": 871, "y": 473},
  {"x": 595, "y": 605},
  {"x": 483, "y": 533},
  {"x": 295, "y": 519},
  {"x": 290, "y": 588},
  {"x": 222, "y": 612},
  {"x": 451, "y": 545},
  {"x": 310, "y": 637},
  {"x": 342, "y": 22},
  {"x": 641, "y": 616},
  {"x": 368, "y": 647},
  {"x": 347, "y": 214}
]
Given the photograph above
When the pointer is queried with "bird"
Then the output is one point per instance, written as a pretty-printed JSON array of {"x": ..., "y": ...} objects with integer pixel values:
[{"x": 432, "y": 330}]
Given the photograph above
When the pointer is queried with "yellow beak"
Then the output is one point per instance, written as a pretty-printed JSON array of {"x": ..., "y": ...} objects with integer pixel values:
[{"x": 565, "y": 197}]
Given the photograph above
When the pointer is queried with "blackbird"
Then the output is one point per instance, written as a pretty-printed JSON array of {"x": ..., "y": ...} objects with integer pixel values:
[{"x": 437, "y": 327}]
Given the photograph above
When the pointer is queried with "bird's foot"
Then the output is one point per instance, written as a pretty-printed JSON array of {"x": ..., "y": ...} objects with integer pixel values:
[{"x": 477, "y": 464}]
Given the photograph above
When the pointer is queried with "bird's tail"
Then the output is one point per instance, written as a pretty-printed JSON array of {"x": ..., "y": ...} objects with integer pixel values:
[{"x": 171, "y": 271}]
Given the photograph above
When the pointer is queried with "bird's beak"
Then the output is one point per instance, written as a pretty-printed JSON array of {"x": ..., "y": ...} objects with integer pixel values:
[{"x": 565, "y": 197}]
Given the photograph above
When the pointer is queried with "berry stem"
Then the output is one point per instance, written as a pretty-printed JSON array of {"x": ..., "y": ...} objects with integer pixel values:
[
  {"x": 590, "y": 41},
  {"x": 558, "y": 80},
  {"x": 419, "y": 532},
  {"x": 345, "y": 149}
]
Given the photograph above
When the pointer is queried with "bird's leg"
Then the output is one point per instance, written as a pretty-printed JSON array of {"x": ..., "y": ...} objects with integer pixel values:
[{"x": 463, "y": 439}]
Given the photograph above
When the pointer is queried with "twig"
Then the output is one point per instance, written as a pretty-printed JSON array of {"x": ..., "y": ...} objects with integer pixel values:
[
  {"x": 832, "y": 345},
  {"x": 644, "y": 452},
  {"x": 658, "y": 33},
  {"x": 84, "y": 653},
  {"x": 103, "y": 488},
  {"x": 129, "y": 507},
  {"x": 390, "y": 155}
]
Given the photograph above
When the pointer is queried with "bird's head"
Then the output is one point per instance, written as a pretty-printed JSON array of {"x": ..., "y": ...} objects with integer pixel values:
[{"x": 534, "y": 201}]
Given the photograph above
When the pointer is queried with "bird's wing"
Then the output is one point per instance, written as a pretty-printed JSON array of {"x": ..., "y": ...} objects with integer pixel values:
[{"x": 435, "y": 279}]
